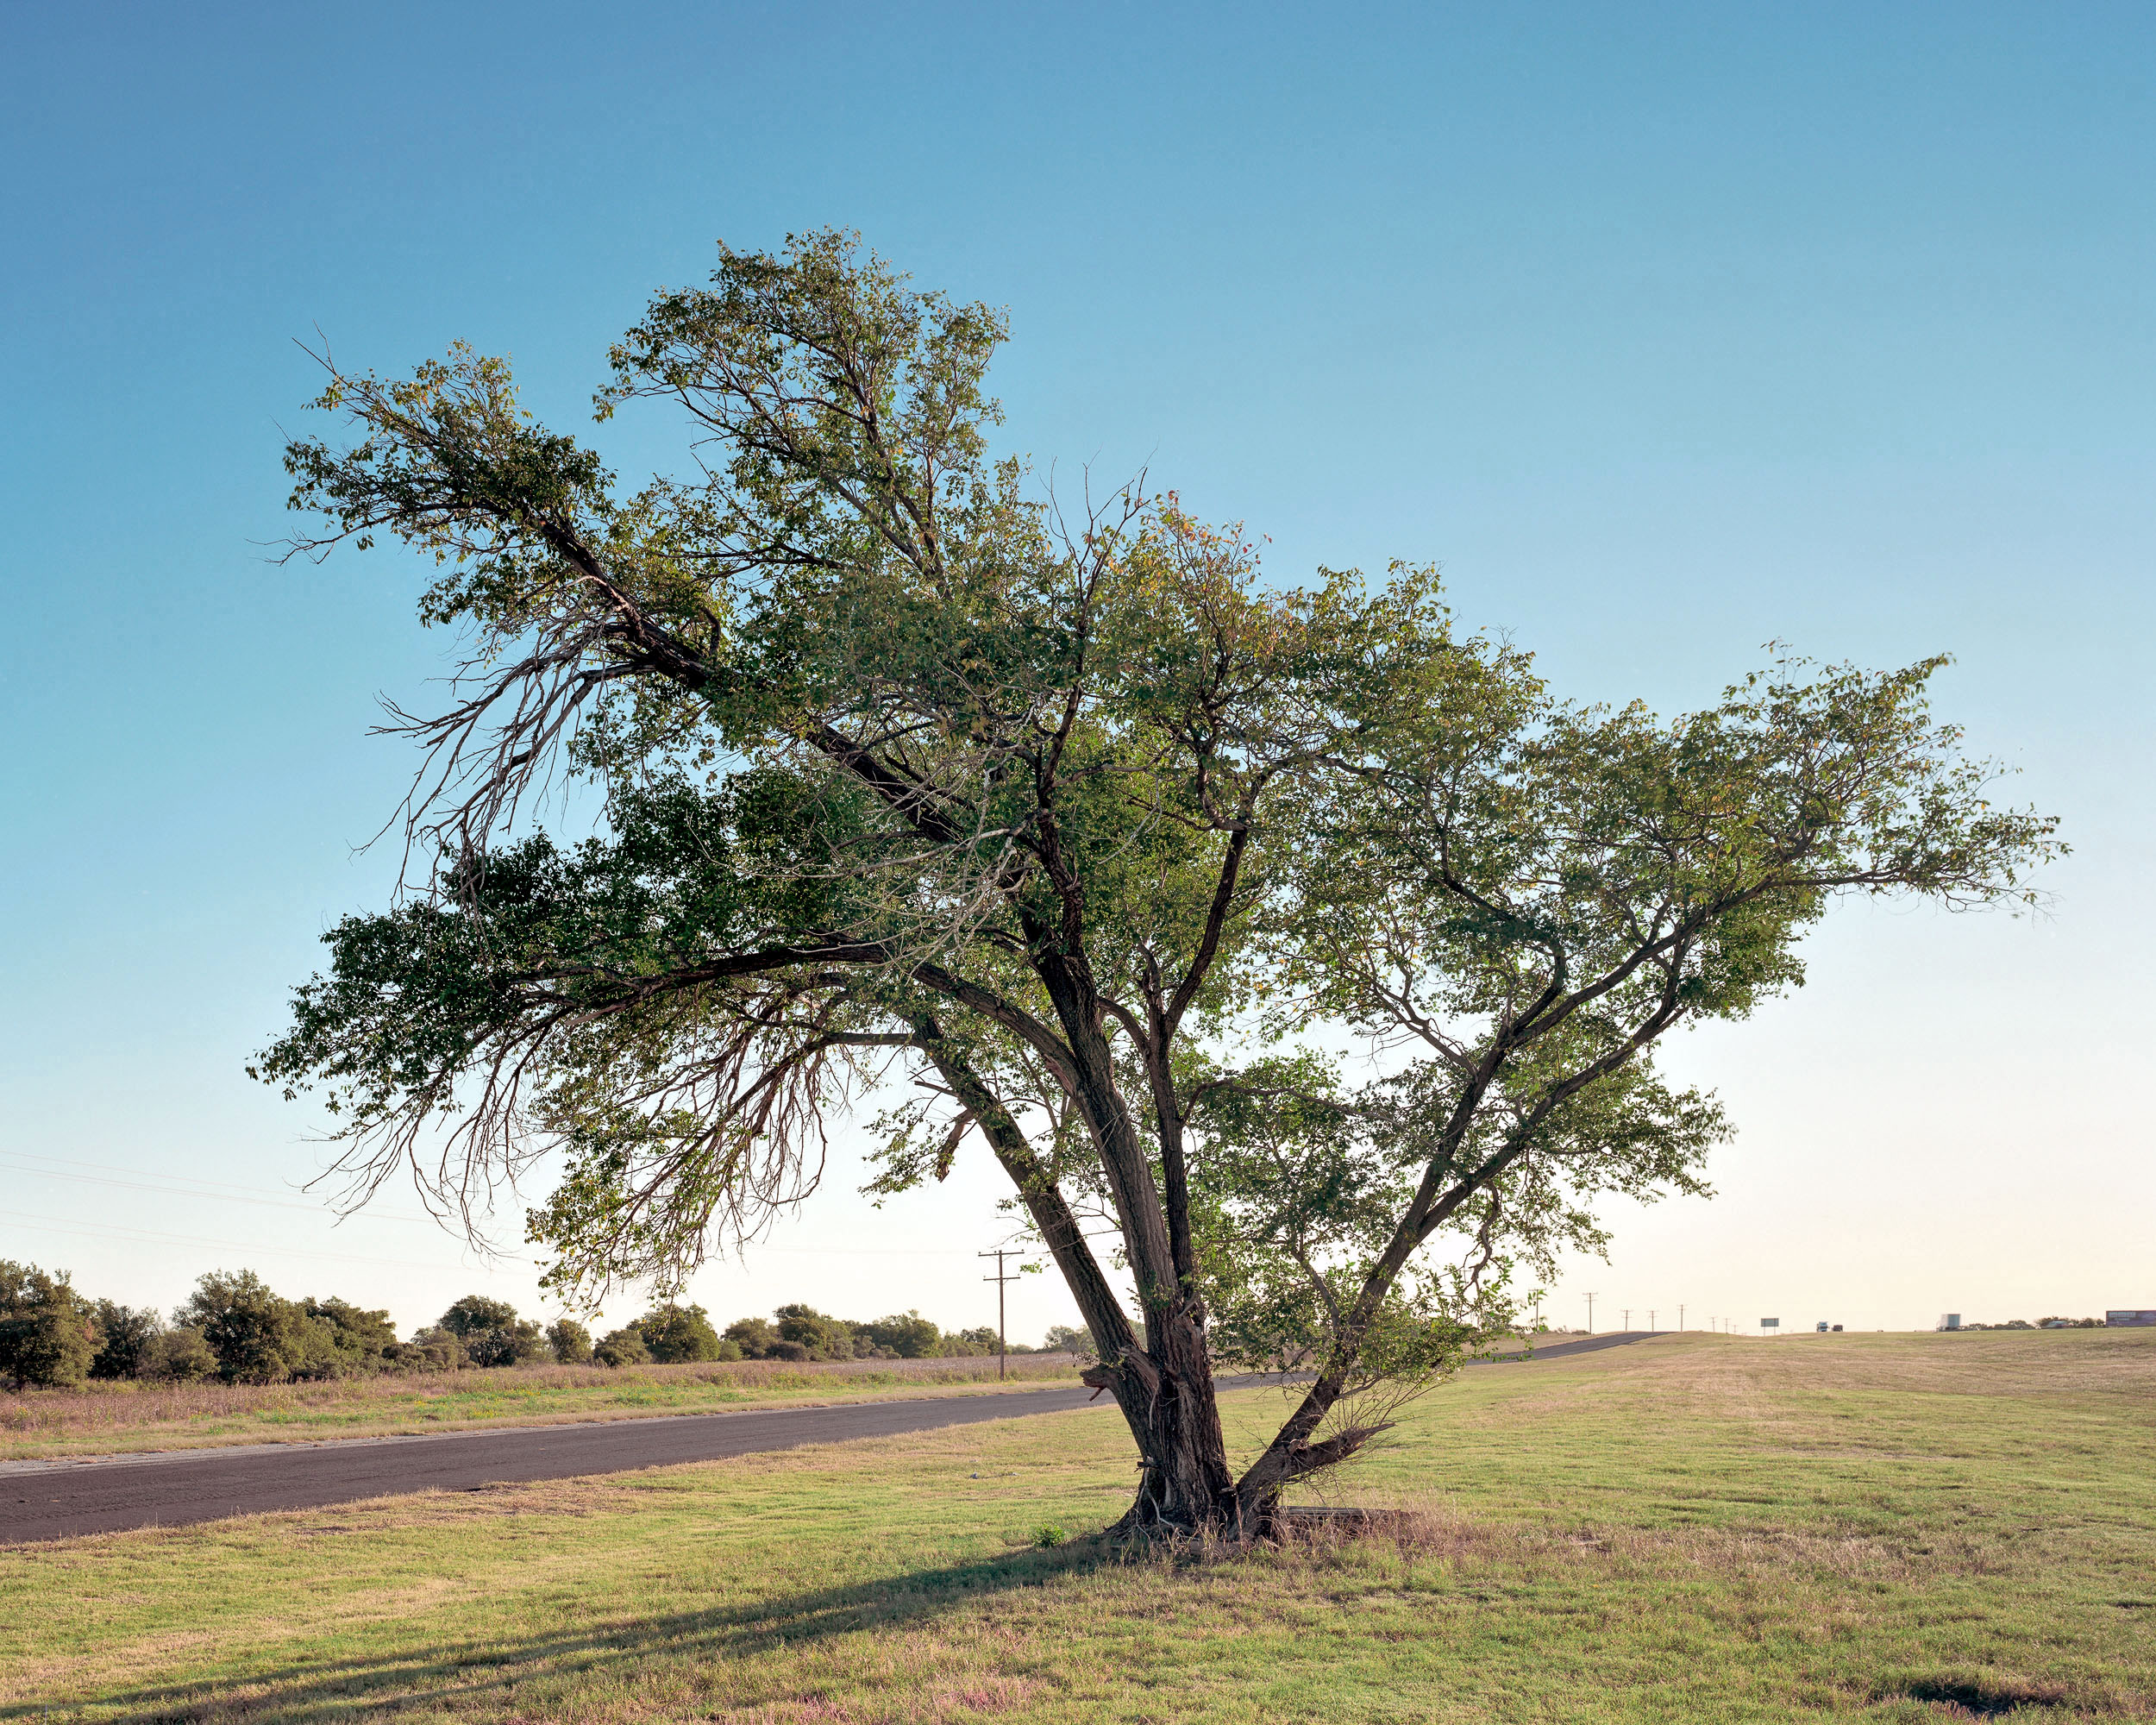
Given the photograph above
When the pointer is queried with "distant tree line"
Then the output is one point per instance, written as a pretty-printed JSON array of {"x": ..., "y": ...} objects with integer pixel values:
[
  {"x": 233, "y": 1327},
  {"x": 2052, "y": 1323}
]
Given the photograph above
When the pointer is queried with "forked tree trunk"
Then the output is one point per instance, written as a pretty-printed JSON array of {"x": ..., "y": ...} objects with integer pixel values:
[
  {"x": 1185, "y": 1490},
  {"x": 1164, "y": 1386}
]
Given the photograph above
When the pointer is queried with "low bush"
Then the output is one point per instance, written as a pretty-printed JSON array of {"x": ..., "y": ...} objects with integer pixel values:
[
  {"x": 180, "y": 1355},
  {"x": 570, "y": 1340},
  {"x": 433, "y": 1349},
  {"x": 491, "y": 1332},
  {"x": 126, "y": 1339},
  {"x": 624, "y": 1346},
  {"x": 675, "y": 1334},
  {"x": 48, "y": 1333}
]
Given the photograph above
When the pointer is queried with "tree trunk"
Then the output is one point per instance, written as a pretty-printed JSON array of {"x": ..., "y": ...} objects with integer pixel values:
[{"x": 1185, "y": 1490}]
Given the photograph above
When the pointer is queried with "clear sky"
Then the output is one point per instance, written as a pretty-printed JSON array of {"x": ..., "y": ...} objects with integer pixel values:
[{"x": 1668, "y": 330}]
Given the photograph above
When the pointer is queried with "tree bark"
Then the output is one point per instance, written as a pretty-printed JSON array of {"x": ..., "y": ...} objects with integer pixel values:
[{"x": 1164, "y": 1388}]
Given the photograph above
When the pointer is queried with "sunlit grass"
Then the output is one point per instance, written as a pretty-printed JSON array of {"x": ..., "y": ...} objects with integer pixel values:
[{"x": 1695, "y": 1529}]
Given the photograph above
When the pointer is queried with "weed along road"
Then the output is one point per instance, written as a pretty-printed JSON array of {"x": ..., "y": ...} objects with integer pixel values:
[{"x": 59, "y": 1499}]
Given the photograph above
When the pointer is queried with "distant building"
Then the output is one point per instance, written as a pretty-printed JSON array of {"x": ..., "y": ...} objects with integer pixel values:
[{"x": 2130, "y": 1321}]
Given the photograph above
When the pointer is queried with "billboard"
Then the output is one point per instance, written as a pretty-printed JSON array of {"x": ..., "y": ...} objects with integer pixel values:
[{"x": 2130, "y": 1319}]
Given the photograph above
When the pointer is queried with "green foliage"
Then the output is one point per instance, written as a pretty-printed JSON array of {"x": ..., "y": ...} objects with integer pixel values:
[
  {"x": 126, "y": 1339},
  {"x": 431, "y": 1349},
  {"x": 361, "y": 1341},
  {"x": 48, "y": 1333},
  {"x": 624, "y": 1346},
  {"x": 674, "y": 1333},
  {"x": 570, "y": 1341},
  {"x": 969, "y": 1344},
  {"x": 753, "y": 1336},
  {"x": 1078, "y": 828},
  {"x": 1063, "y": 1339},
  {"x": 817, "y": 1334},
  {"x": 491, "y": 1332},
  {"x": 904, "y": 1335},
  {"x": 257, "y": 1336},
  {"x": 181, "y": 1356}
]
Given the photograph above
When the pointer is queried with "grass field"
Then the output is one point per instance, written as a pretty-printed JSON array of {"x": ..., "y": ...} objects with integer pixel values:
[
  {"x": 1887, "y": 1527},
  {"x": 117, "y": 1418}
]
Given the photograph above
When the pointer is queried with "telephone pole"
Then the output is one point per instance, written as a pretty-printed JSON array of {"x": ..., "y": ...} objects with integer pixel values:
[
  {"x": 1650, "y": 1320},
  {"x": 1003, "y": 1347},
  {"x": 1627, "y": 1313},
  {"x": 1680, "y": 1319},
  {"x": 1590, "y": 1314}
]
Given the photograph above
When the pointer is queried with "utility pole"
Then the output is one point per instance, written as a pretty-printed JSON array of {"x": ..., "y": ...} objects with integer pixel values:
[
  {"x": 1590, "y": 1314},
  {"x": 1650, "y": 1320},
  {"x": 1680, "y": 1319},
  {"x": 1003, "y": 1347},
  {"x": 1627, "y": 1312}
]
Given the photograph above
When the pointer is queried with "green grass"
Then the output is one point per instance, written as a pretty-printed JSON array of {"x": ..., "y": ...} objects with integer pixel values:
[
  {"x": 1696, "y": 1529},
  {"x": 119, "y": 1418}
]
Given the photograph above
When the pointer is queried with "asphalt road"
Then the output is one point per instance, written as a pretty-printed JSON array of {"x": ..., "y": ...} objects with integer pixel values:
[{"x": 57, "y": 1500}]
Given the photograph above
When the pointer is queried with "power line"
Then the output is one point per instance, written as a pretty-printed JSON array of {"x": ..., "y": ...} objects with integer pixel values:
[
  {"x": 96, "y": 1231},
  {"x": 222, "y": 1192},
  {"x": 203, "y": 1189}
]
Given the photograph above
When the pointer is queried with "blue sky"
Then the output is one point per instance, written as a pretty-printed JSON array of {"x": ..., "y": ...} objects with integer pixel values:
[{"x": 1668, "y": 330}]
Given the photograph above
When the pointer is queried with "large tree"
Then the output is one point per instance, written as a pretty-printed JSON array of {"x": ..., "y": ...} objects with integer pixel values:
[{"x": 1112, "y": 852}]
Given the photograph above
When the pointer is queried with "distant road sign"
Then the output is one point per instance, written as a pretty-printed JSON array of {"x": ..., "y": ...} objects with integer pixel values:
[{"x": 1770, "y": 1323}]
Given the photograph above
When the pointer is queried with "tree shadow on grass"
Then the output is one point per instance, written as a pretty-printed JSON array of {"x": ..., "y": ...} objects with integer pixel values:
[{"x": 467, "y": 1671}]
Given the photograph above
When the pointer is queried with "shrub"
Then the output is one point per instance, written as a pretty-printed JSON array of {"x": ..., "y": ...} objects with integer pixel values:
[
  {"x": 753, "y": 1336},
  {"x": 824, "y": 1336},
  {"x": 362, "y": 1341},
  {"x": 433, "y": 1349},
  {"x": 676, "y": 1333},
  {"x": 181, "y": 1356},
  {"x": 571, "y": 1342},
  {"x": 907, "y": 1336},
  {"x": 490, "y": 1331},
  {"x": 48, "y": 1335},
  {"x": 258, "y": 1337},
  {"x": 624, "y": 1346},
  {"x": 1062, "y": 1339},
  {"x": 784, "y": 1349},
  {"x": 970, "y": 1344},
  {"x": 126, "y": 1339}
]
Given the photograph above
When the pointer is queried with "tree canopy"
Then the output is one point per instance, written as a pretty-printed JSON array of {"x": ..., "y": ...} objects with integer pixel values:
[{"x": 1071, "y": 835}]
